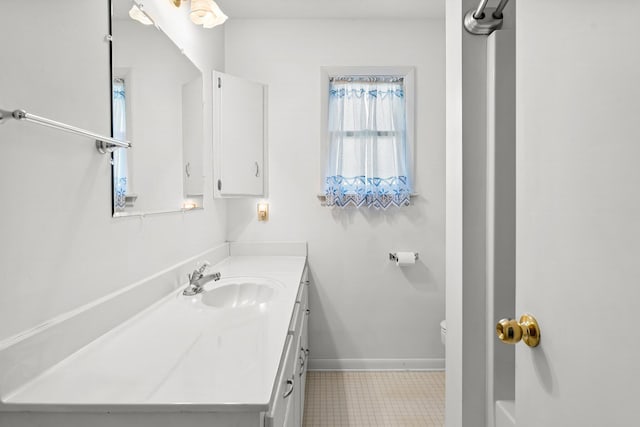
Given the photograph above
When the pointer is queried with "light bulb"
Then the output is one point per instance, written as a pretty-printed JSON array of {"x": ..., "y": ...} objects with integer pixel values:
[
  {"x": 200, "y": 11},
  {"x": 206, "y": 13},
  {"x": 217, "y": 18}
]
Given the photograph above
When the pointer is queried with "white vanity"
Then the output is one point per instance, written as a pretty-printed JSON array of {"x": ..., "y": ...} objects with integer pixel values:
[{"x": 233, "y": 355}]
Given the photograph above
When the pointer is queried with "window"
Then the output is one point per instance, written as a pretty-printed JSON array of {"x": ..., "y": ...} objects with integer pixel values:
[{"x": 368, "y": 140}]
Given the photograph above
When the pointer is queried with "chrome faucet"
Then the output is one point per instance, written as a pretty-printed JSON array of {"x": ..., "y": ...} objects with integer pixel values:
[{"x": 197, "y": 280}]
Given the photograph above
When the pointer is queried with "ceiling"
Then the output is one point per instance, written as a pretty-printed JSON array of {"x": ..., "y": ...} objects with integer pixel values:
[{"x": 346, "y": 9}]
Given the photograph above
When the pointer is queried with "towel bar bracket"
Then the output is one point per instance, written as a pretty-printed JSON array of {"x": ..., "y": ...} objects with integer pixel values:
[
  {"x": 394, "y": 256},
  {"x": 484, "y": 24}
]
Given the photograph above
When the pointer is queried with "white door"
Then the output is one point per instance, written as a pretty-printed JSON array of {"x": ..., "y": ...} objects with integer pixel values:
[{"x": 578, "y": 211}]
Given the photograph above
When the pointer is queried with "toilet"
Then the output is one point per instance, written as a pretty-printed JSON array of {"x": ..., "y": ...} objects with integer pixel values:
[{"x": 443, "y": 332}]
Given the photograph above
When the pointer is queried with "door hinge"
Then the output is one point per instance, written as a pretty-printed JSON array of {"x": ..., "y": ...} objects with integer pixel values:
[
  {"x": 219, "y": 185},
  {"x": 219, "y": 82}
]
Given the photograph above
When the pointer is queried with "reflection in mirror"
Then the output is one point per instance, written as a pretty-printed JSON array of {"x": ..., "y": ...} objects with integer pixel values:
[{"x": 157, "y": 104}]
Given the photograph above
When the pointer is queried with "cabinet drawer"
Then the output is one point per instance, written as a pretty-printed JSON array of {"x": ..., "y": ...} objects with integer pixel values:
[
  {"x": 295, "y": 319},
  {"x": 300, "y": 309},
  {"x": 303, "y": 293},
  {"x": 281, "y": 400}
]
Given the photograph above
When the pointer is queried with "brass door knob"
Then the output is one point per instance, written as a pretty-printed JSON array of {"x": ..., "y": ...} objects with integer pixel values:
[{"x": 510, "y": 331}]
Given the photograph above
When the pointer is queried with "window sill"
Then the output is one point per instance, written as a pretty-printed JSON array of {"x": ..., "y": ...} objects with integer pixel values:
[
  {"x": 130, "y": 200},
  {"x": 323, "y": 199}
]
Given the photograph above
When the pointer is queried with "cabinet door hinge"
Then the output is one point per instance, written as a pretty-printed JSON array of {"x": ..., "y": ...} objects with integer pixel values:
[
  {"x": 219, "y": 185},
  {"x": 219, "y": 82}
]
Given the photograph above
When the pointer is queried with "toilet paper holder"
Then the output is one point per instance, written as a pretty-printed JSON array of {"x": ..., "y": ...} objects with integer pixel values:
[{"x": 393, "y": 257}]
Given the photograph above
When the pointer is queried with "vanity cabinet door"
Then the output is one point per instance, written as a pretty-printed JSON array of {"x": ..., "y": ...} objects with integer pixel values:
[
  {"x": 295, "y": 415},
  {"x": 287, "y": 407},
  {"x": 282, "y": 405},
  {"x": 304, "y": 365},
  {"x": 302, "y": 338},
  {"x": 239, "y": 129}
]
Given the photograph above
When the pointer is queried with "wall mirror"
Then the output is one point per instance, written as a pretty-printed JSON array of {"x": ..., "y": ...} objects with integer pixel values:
[{"x": 157, "y": 104}]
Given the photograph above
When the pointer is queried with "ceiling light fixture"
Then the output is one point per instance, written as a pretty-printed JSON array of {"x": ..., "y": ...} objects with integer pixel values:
[{"x": 204, "y": 12}]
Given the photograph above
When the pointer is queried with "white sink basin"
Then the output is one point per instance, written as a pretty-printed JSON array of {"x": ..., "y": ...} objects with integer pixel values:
[{"x": 239, "y": 292}]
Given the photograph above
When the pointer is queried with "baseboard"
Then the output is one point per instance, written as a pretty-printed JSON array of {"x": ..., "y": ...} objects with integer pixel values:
[{"x": 376, "y": 364}]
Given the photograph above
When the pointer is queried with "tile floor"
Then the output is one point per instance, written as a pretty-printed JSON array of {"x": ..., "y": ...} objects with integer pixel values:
[{"x": 363, "y": 399}]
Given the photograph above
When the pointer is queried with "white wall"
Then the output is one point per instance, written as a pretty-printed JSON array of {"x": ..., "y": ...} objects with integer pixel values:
[
  {"x": 363, "y": 307},
  {"x": 453, "y": 230},
  {"x": 60, "y": 246}
]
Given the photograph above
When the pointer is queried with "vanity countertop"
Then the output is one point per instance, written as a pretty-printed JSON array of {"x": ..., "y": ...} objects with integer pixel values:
[{"x": 180, "y": 352}]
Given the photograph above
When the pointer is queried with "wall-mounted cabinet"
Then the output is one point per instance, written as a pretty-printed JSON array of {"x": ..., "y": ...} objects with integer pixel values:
[{"x": 239, "y": 137}]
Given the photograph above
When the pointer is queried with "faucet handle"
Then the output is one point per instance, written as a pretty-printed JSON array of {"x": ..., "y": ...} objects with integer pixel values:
[{"x": 201, "y": 266}]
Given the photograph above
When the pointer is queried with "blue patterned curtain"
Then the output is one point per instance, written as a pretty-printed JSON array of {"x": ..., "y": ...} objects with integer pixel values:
[
  {"x": 120, "y": 174},
  {"x": 367, "y": 164}
]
